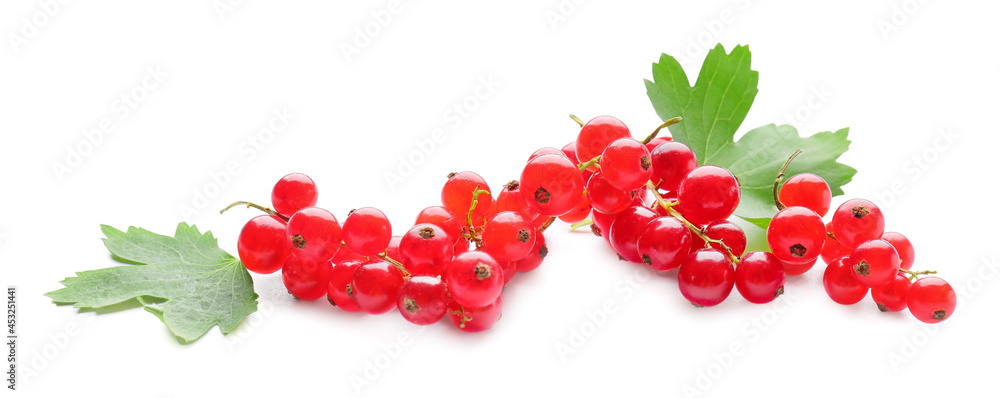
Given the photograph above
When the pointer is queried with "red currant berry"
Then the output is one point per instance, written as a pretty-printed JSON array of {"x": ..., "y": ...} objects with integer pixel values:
[
  {"x": 706, "y": 277},
  {"x": 292, "y": 193},
  {"x": 672, "y": 161},
  {"x": 339, "y": 291},
  {"x": 806, "y": 190},
  {"x": 626, "y": 229},
  {"x": 375, "y": 287},
  {"x": 874, "y": 262},
  {"x": 840, "y": 284},
  {"x": 509, "y": 270},
  {"x": 832, "y": 249},
  {"x": 512, "y": 199},
  {"x": 797, "y": 269},
  {"x": 508, "y": 237},
  {"x": 442, "y": 217},
  {"x": 579, "y": 212},
  {"x": 606, "y": 198},
  {"x": 535, "y": 257},
  {"x": 931, "y": 299},
  {"x": 708, "y": 193},
  {"x": 263, "y": 244},
  {"x": 903, "y": 247},
  {"x": 314, "y": 234},
  {"x": 596, "y": 135},
  {"x": 651, "y": 145},
  {"x": 423, "y": 300},
  {"x": 427, "y": 249},
  {"x": 469, "y": 319},
  {"x": 664, "y": 244},
  {"x": 570, "y": 151},
  {"x": 551, "y": 185},
  {"x": 625, "y": 164},
  {"x": 892, "y": 296},
  {"x": 545, "y": 151},
  {"x": 730, "y": 234},
  {"x": 760, "y": 277},
  {"x": 306, "y": 279},
  {"x": 857, "y": 221},
  {"x": 459, "y": 190},
  {"x": 367, "y": 231},
  {"x": 796, "y": 235},
  {"x": 474, "y": 279}
]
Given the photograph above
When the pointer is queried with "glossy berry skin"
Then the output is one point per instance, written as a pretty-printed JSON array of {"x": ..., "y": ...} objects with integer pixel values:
[
  {"x": 874, "y": 263},
  {"x": 625, "y": 164},
  {"x": 474, "y": 279},
  {"x": 292, "y": 193},
  {"x": 857, "y": 221},
  {"x": 706, "y": 277},
  {"x": 375, "y": 287},
  {"x": 314, "y": 233},
  {"x": 760, "y": 277},
  {"x": 579, "y": 212},
  {"x": 423, "y": 300},
  {"x": 626, "y": 229},
  {"x": 339, "y": 290},
  {"x": 797, "y": 269},
  {"x": 892, "y": 296},
  {"x": 427, "y": 249},
  {"x": 545, "y": 151},
  {"x": 672, "y": 161},
  {"x": 534, "y": 257},
  {"x": 903, "y": 247},
  {"x": 570, "y": 151},
  {"x": 730, "y": 234},
  {"x": 596, "y": 134},
  {"x": 651, "y": 145},
  {"x": 512, "y": 199},
  {"x": 263, "y": 244},
  {"x": 832, "y": 250},
  {"x": 471, "y": 320},
  {"x": 457, "y": 193},
  {"x": 664, "y": 243},
  {"x": 840, "y": 284},
  {"x": 708, "y": 193},
  {"x": 442, "y": 217},
  {"x": 508, "y": 236},
  {"x": 796, "y": 235},
  {"x": 807, "y": 190},
  {"x": 551, "y": 185},
  {"x": 367, "y": 231},
  {"x": 602, "y": 224},
  {"x": 306, "y": 279},
  {"x": 604, "y": 197},
  {"x": 931, "y": 299}
]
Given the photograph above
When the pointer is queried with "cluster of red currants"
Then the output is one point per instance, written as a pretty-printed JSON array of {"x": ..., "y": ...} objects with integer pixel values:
[{"x": 427, "y": 273}]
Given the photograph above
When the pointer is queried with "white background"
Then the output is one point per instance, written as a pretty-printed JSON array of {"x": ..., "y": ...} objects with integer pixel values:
[{"x": 899, "y": 73}]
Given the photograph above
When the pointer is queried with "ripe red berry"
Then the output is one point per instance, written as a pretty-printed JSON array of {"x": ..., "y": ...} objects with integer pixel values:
[
  {"x": 626, "y": 229},
  {"x": 292, "y": 193},
  {"x": 672, "y": 161},
  {"x": 840, "y": 284},
  {"x": 442, "y": 217},
  {"x": 579, "y": 212},
  {"x": 545, "y": 151},
  {"x": 874, "y": 263},
  {"x": 857, "y": 221},
  {"x": 931, "y": 299},
  {"x": 730, "y": 234},
  {"x": 760, "y": 277},
  {"x": 306, "y": 278},
  {"x": 534, "y": 257},
  {"x": 375, "y": 287},
  {"x": 314, "y": 233},
  {"x": 797, "y": 269},
  {"x": 796, "y": 235},
  {"x": 604, "y": 197},
  {"x": 508, "y": 237},
  {"x": 551, "y": 185},
  {"x": 570, "y": 151},
  {"x": 423, "y": 300},
  {"x": 596, "y": 134},
  {"x": 367, "y": 231},
  {"x": 339, "y": 291},
  {"x": 664, "y": 243},
  {"x": 806, "y": 190},
  {"x": 708, "y": 193},
  {"x": 512, "y": 199},
  {"x": 903, "y": 247},
  {"x": 458, "y": 191},
  {"x": 625, "y": 164},
  {"x": 706, "y": 277},
  {"x": 832, "y": 250},
  {"x": 474, "y": 279},
  {"x": 892, "y": 296},
  {"x": 651, "y": 145},
  {"x": 469, "y": 319},
  {"x": 263, "y": 244},
  {"x": 427, "y": 249}
]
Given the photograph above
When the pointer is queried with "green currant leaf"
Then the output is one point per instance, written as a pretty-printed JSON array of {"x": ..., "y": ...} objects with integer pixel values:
[
  {"x": 713, "y": 110},
  {"x": 186, "y": 280}
]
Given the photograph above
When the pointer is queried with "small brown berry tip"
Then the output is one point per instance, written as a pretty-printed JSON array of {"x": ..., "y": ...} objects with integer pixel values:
[
  {"x": 646, "y": 260},
  {"x": 939, "y": 315},
  {"x": 483, "y": 271},
  {"x": 543, "y": 251},
  {"x": 860, "y": 211},
  {"x": 523, "y": 236},
  {"x": 426, "y": 232},
  {"x": 298, "y": 241},
  {"x": 512, "y": 185},
  {"x": 542, "y": 195},
  {"x": 797, "y": 250},
  {"x": 862, "y": 268},
  {"x": 452, "y": 174},
  {"x": 645, "y": 163}
]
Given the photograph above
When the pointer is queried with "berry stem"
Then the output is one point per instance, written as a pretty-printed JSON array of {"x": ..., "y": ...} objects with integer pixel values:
[
  {"x": 591, "y": 162},
  {"x": 913, "y": 275},
  {"x": 584, "y": 223},
  {"x": 465, "y": 317},
  {"x": 576, "y": 119},
  {"x": 468, "y": 217},
  {"x": 546, "y": 224},
  {"x": 255, "y": 206},
  {"x": 670, "y": 122},
  {"x": 397, "y": 264},
  {"x": 780, "y": 177},
  {"x": 669, "y": 207}
]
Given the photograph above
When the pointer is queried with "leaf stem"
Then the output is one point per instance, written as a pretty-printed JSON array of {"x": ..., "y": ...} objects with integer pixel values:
[
  {"x": 913, "y": 274},
  {"x": 669, "y": 207},
  {"x": 780, "y": 177},
  {"x": 255, "y": 206},
  {"x": 592, "y": 162},
  {"x": 576, "y": 119},
  {"x": 584, "y": 223},
  {"x": 468, "y": 217},
  {"x": 670, "y": 122}
]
